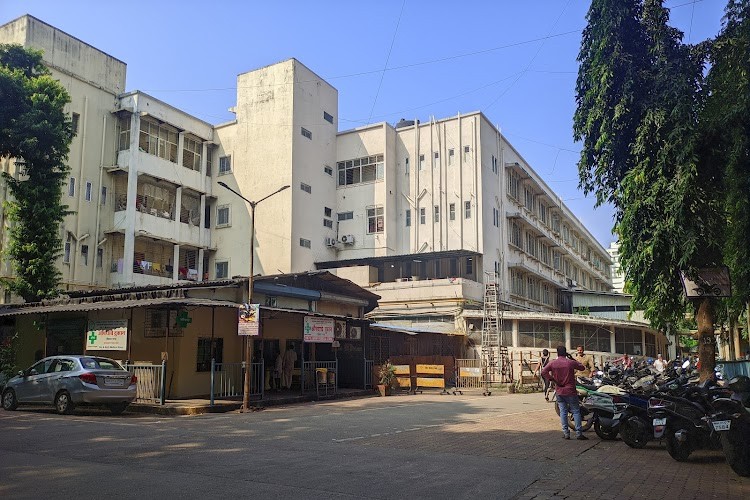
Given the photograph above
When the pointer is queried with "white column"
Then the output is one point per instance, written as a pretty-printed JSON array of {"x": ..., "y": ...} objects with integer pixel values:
[
  {"x": 200, "y": 264},
  {"x": 178, "y": 209},
  {"x": 567, "y": 336},
  {"x": 129, "y": 250},
  {"x": 514, "y": 332},
  {"x": 180, "y": 147},
  {"x": 204, "y": 159},
  {"x": 612, "y": 348},
  {"x": 176, "y": 262}
]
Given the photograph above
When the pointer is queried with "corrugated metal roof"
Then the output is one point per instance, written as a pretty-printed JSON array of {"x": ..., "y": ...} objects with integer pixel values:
[{"x": 114, "y": 304}]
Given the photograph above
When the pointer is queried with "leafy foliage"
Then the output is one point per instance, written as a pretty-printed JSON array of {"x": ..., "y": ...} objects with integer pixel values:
[
  {"x": 8, "y": 358},
  {"x": 35, "y": 130}
]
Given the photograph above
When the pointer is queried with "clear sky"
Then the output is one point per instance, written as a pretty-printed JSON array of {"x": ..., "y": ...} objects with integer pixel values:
[{"x": 389, "y": 59}]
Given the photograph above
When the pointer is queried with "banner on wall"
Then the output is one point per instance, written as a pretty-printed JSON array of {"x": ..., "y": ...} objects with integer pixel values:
[
  {"x": 107, "y": 335},
  {"x": 248, "y": 322},
  {"x": 319, "y": 329}
]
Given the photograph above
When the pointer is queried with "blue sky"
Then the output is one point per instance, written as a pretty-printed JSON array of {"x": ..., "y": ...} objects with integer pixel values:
[{"x": 513, "y": 60}]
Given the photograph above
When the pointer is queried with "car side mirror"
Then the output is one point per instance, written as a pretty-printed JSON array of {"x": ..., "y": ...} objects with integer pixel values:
[
  {"x": 20, "y": 373},
  {"x": 33, "y": 372}
]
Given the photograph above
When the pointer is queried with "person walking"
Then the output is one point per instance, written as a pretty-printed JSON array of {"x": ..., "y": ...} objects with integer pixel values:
[
  {"x": 543, "y": 361},
  {"x": 586, "y": 360},
  {"x": 562, "y": 372},
  {"x": 290, "y": 357}
]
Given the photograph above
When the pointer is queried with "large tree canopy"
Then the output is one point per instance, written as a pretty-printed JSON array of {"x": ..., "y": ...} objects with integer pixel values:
[
  {"x": 653, "y": 125},
  {"x": 35, "y": 130}
]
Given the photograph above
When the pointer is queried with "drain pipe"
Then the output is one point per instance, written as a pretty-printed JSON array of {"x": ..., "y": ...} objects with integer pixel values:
[{"x": 99, "y": 205}]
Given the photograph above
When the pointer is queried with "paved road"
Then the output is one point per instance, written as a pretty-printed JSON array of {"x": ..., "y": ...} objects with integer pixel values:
[{"x": 424, "y": 446}]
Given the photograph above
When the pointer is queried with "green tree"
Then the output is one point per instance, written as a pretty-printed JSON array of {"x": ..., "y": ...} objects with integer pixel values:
[
  {"x": 664, "y": 185},
  {"x": 35, "y": 130}
]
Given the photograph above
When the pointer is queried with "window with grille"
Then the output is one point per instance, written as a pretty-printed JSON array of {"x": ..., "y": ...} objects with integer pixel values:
[
  {"x": 541, "y": 334},
  {"x": 359, "y": 170},
  {"x": 375, "y": 220},
  {"x": 225, "y": 164},
  {"x": 628, "y": 340},
  {"x": 305, "y": 187},
  {"x": 306, "y": 133},
  {"x": 436, "y": 213},
  {"x": 328, "y": 170},
  {"x": 422, "y": 216},
  {"x": 451, "y": 156},
  {"x": 85, "y": 255},
  {"x": 467, "y": 210},
  {"x": 345, "y": 216},
  {"x": 328, "y": 117},
  {"x": 515, "y": 234},
  {"x": 123, "y": 136},
  {"x": 591, "y": 337},
  {"x": 208, "y": 349},
  {"x": 467, "y": 154},
  {"x": 305, "y": 243},
  {"x": 222, "y": 270},
  {"x": 514, "y": 181},
  {"x": 158, "y": 140},
  {"x": 89, "y": 191},
  {"x": 222, "y": 216},
  {"x": 72, "y": 186},
  {"x": 104, "y": 195},
  {"x": 408, "y": 217},
  {"x": 192, "y": 150},
  {"x": 452, "y": 211}
]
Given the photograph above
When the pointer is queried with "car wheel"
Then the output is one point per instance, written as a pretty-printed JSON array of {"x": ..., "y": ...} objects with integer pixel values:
[
  {"x": 118, "y": 408},
  {"x": 63, "y": 404},
  {"x": 10, "y": 402}
]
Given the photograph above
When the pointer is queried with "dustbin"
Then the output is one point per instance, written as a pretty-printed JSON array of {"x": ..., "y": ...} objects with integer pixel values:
[
  {"x": 321, "y": 374},
  {"x": 331, "y": 377}
]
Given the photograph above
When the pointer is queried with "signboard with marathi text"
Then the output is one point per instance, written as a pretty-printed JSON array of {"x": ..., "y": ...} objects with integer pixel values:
[
  {"x": 248, "y": 321},
  {"x": 318, "y": 329},
  {"x": 107, "y": 335}
]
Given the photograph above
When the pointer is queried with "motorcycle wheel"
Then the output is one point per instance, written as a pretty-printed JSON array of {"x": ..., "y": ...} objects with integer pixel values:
[
  {"x": 586, "y": 420},
  {"x": 736, "y": 446},
  {"x": 633, "y": 433},
  {"x": 677, "y": 450},
  {"x": 604, "y": 432}
]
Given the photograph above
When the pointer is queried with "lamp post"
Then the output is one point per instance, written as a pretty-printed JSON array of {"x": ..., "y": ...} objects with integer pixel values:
[{"x": 248, "y": 365}]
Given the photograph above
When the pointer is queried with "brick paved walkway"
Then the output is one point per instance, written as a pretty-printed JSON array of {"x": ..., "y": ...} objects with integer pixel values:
[{"x": 578, "y": 469}]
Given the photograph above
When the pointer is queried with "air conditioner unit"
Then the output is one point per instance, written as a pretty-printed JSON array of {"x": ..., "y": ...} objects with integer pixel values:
[
  {"x": 347, "y": 239},
  {"x": 330, "y": 242}
]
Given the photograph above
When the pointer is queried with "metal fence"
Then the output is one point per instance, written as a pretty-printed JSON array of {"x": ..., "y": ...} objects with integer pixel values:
[
  {"x": 151, "y": 382},
  {"x": 468, "y": 374},
  {"x": 310, "y": 376},
  {"x": 369, "y": 363},
  {"x": 228, "y": 379}
]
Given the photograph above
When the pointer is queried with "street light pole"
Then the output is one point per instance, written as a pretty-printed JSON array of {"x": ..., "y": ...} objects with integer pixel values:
[{"x": 248, "y": 363}]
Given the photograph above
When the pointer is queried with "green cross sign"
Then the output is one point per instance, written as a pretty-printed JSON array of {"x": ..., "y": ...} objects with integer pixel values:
[
  {"x": 92, "y": 337},
  {"x": 183, "y": 320}
]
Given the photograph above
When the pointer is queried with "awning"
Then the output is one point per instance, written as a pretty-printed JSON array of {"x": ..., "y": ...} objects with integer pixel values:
[
  {"x": 115, "y": 304},
  {"x": 410, "y": 330}
]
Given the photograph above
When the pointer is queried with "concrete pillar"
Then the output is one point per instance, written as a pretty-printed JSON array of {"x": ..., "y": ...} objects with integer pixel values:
[
  {"x": 176, "y": 262},
  {"x": 612, "y": 339},
  {"x": 200, "y": 264},
  {"x": 130, "y": 211},
  {"x": 204, "y": 158},
  {"x": 177, "y": 209},
  {"x": 514, "y": 332},
  {"x": 567, "y": 336},
  {"x": 180, "y": 147}
]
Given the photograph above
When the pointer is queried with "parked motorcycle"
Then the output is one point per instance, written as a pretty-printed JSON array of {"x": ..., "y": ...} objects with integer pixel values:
[
  {"x": 607, "y": 410},
  {"x": 731, "y": 421}
]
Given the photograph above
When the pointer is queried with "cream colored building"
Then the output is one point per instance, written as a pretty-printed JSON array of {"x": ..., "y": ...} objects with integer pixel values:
[{"x": 417, "y": 213}]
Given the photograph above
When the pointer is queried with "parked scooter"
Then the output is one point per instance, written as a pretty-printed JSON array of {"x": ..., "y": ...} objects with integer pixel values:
[{"x": 731, "y": 421}]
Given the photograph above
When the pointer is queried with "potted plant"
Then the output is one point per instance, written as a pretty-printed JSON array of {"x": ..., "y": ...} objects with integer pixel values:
[{"x": 386, "y": 378}]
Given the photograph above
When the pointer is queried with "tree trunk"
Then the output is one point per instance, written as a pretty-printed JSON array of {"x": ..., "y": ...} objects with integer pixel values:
[{"x": 706, "y": 340}]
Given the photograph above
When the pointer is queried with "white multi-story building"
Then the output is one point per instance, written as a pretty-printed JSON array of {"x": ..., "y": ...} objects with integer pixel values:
[
  {"x": 418, "y": 213},
  {"x": 618, "y": 279}
]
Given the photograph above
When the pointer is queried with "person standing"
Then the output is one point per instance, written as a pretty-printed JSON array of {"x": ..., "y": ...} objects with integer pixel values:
[
  {"x": 543, "y": 361},
  {"x": 278, "y": 367},
  {"x": 586, "y": 360},
  {"x": 660, "y": 365},
  {"x": 562, "y": 372},
  {"x": 290, "y": 357}
]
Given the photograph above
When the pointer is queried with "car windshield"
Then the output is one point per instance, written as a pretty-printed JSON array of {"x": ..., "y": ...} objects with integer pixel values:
[{"x": 100, "y": 364}]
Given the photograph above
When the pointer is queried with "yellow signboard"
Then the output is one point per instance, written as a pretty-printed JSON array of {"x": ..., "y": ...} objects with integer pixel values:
[
  {"x": 430, "y": 382},
  {"x": 431, "y": 369},
  {"x": 401, "y": 369},
  {"x": 466, "y": 371}
]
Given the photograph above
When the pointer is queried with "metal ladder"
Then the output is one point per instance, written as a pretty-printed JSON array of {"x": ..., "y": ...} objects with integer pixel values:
[{"x": 491, "y": 327}]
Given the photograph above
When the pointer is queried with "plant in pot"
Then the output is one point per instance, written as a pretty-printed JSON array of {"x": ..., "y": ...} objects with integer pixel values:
[{"x": 386, "y": 378}]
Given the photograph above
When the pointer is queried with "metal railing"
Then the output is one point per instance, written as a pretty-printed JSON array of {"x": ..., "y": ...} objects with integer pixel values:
[
  {"x": 310, "y": 377},
  {"x": 468, "y": 374},
  {"x": 228, "y": 379},
  {"x": 368, "y": 373},
  {"x": 151, "y": 382}
]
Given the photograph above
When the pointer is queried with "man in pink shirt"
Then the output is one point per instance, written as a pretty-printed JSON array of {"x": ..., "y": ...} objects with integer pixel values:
[{"x": 562, "y": 372}]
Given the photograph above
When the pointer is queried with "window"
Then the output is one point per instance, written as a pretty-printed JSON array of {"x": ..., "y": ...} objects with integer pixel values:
[
  {"x": 345, "y": 216},
  {"x": 515, "y": 234},
  {"x": 104, "y": 195},
  {"x": 327, "y": 211},
  {"x": 192, "y": 151},
  {"x": 209, "y": 349},
  {"x": 628, "y": 340},
  {"x": 222, "y": 216},
  {"x": 366, "y": 169},
  {"x": 72, "y": 187},
  {"x": 530, "y": 244},
  {"x": 74, "y": 119},
  {"x": 89, "y": 189},
  {"x": 528, "y": 199},
  {"x": 305, "y": 187},
  {"x": 436, "y": 160},
  {"x": 436, "y": 213},
  {"x": 514, "y": 182},
  {"x": 327, "y": 169},
  {"x": 497, "y": 267},
  {"x": 225, "y": 164},
  {"x": 272, "y": 301},
  {"x": 123, "y": 125},
  {"x": 494, "y": 164},
  {"x": 304, "y": 243},
  {"x": 467, "y": 210},
  {"x": 209, "y": 160},
  {"x": 421, "y": 162},
  {"x": 328, "y": 117},
  {"x": 495, "y": 216},
  {"x": 66, "y": 251},
  {"x": 469, "y": 268},
  {"x": 543, "y": 213},
  {"x": 540, "y": 334},
  {"x": 375, "y": 220},
  {"x": 451, "y": 156},
  {"x": 406, "y": 166},
  {"x": 422, "y": 216},
  {"x": 306, "y": 133},
  {"x": 158, "y": 140},
  {"x": 99, "y": 257},
  {"x": 467, "y": 154},
  {"x": 222, "y": 270},
  {"x": 556, "y": 222},
  {"x": 85, "y": 254},
  {"x": 408, "y": 218},
  {"x": 328, "y": 223}
]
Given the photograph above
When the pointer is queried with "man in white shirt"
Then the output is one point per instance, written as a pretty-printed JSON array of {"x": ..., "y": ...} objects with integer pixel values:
[{"x": 660, "y": 365}]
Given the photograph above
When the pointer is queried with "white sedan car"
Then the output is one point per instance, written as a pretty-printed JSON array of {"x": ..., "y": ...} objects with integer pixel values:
[{"x": 68, "y": 381}]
